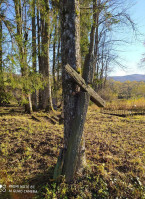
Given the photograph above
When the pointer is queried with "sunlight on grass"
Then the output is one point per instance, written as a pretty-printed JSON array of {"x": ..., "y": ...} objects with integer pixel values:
[{"x": 114, "y": 150}]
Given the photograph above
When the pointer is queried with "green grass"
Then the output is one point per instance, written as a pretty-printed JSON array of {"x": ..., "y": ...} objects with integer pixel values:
[{"x": 115, "y": 152}]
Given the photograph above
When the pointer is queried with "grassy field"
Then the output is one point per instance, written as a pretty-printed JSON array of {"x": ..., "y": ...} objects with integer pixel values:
[
  {"x": 127, "y": 104},
  {"x": 115, "y": 150}
]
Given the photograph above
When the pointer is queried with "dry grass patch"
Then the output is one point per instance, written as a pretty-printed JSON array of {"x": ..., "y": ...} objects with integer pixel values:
[{"x": 114, "y": 148}]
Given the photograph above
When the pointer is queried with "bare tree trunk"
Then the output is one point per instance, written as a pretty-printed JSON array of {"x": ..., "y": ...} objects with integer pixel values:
[
  {"x": 47, "y": 90},
  {"x": 38, "y": 36},
  {"x": 106, "y": 71},
  {"x": 39, "y": 51},
  {"x": 54, "y": 69},
  {"x": 25, "y": 67},
  {"x": 54, "y": 61},
  {"x": 102, "y": 69},
  {"x": 1, "y": 66},
  {"x": 34, "y": 95},
  {"x": 96, "y": 49},
  {"x": 28, "y": 106},
  {"x": 30, "y": 103},
  {"x": 88, "y": 72},
  {"x": 58, "y": 61},
  {"x": 1, "y": 46},
  {"x": 45, "y": 99},
  {"x": 72, "y": 157},
  {"x": 41, "y": 58}
]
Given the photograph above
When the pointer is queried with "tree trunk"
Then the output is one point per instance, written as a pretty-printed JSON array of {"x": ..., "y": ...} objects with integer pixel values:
[
  {"x": 34, "y": 94},
  {"x": 28, "y": 106},
  {"x": 39, "y": 51},
  {"x": 30, "y": 103},
  {"x": 45, "y": 99},
  {"x": 41, "y": 58},
  {"x": 72, "y": 157},
  {"x": 0, "y": 46},
  {"x": 47, "y": 103},
  {"x": 38, "y": 37},
  {"x": 54, "y": 61},
  {"x": 58, "y": 61},
  {"x": 89, "y": 69},
  {"x": 81, "y": 82},
  {"x": 1, "y": 66}
]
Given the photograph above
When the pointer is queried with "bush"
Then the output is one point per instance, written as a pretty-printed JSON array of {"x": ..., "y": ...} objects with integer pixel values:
[{"x": 4, "y": 98}]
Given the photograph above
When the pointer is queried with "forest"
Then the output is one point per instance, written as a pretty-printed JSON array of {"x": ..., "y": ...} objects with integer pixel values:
[{"x": 60, "y": 136}]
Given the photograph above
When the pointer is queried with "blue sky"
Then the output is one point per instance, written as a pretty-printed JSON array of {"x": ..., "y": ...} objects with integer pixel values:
[{"x": 132, "y": 52}]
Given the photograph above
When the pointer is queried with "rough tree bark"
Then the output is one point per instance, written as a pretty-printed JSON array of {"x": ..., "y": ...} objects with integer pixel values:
[{"x": 72, "y": 156}]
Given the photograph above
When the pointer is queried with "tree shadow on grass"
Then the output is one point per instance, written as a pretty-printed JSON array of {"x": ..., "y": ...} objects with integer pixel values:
[
  {"x": 36, "y": 188},
  {"x": 41, "y": 180}
]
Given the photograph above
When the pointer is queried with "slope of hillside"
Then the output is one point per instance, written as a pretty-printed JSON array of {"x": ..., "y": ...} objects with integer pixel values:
[{"x": 133, "y": 77}]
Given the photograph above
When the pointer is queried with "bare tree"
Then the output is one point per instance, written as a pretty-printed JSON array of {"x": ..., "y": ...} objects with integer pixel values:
[{"x": 107, "y": 16}]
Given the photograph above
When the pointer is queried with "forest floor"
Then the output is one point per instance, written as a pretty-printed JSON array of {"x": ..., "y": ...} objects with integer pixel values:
[{"x": 115, "y": 151}]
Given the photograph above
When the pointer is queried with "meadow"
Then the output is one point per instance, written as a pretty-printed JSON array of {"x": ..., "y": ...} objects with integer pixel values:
[{"x": 115, "y": 152}]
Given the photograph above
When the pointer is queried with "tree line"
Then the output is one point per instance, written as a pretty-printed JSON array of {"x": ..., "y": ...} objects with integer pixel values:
[
  {"x": 114, "y": 90},
  {"x": 31, "y": 46}
]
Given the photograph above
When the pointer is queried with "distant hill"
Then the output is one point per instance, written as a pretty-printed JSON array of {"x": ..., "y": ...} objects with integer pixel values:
[{"x": 134, "y": 77}]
